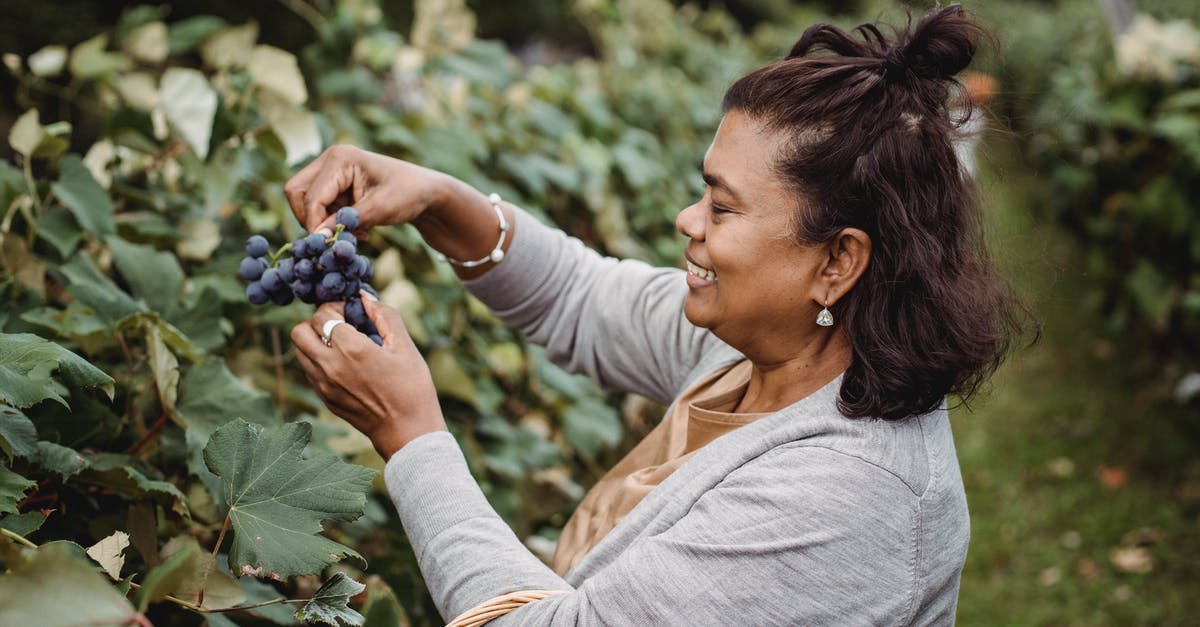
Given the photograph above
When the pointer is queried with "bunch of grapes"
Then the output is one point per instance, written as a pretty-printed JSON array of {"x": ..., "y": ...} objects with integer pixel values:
[{"x": 319, "y": 270}]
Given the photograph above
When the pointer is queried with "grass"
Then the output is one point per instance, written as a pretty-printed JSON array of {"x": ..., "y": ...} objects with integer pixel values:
[{"x": 1073, "y": 476}]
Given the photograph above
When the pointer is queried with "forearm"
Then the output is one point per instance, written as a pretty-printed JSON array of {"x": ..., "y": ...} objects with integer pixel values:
[{"x": 466, "y": 552}]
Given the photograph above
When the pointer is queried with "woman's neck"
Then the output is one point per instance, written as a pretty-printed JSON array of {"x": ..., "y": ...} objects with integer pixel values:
[{"x": 778, "y": 382}]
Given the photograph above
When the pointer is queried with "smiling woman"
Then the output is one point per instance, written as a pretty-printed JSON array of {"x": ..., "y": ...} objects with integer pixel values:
[{"x": 836, "y": 292}]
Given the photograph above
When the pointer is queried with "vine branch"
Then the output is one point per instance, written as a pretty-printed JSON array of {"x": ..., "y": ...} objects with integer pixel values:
[{"x": 212, "y": 560}]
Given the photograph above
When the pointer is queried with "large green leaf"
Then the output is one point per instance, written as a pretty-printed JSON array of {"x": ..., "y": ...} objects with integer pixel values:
[
  {"x": 93, "y": 288},
  {"x": 84, "y": 196},
  {"x": 199, "y": 317},
  {"x": 153, "y": 276},
  {"x": 12, "y": 489},
  {"x": 65, "y": 461},
  {"x": 212, "y": 396},
  {"x": 56, "y": 589},
  {"x": 277, "y": 498},
  {"x": 27, "y": 362},
  {"x": 58, "y": 227},
  {"x": 329, "y": 605},
  {"x": 18, "y": 437}
]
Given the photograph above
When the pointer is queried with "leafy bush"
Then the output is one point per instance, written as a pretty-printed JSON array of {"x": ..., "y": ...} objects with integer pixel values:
[
  {"x": 133, "y": 374},
  {"x": 1114, "y": 132}
]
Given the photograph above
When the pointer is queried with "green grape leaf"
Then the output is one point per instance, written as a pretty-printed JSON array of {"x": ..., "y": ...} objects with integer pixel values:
[
  {"x": 23, "y": 524},
  {"x": 84, "y": 196},
  {"x": 27, "y": 362},
  {"x": 329, "y": 604},
  {"x": 114, "y": 472},
  {"x": 212, "y": 396},
  {"x": 77, "y": 322},
  {"x": 60, "y": 229},
  {"x": 12, "y": 489},
  {"x": 56, "y": 458},
  {"x": 153, "y": 276},
  {"x": 277, "y": 498},
  {"x": 55, "y": 587},
  {"x": 18, "y": 437},
  {"x": 93, "y": 288}
]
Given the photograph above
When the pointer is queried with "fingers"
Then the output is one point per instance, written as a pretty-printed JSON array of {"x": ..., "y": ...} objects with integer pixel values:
[
  {"x": 325, "y": 313},
  {"x": 387, "y": 320},
  {"x": 331, "y": 179}
]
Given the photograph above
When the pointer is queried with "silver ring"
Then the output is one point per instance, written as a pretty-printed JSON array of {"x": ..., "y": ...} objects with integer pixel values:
[{"x": 327, "y": 330}]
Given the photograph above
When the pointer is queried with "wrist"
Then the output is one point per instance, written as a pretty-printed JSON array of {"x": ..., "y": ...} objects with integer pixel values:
[{"x": 388, "y": 441}]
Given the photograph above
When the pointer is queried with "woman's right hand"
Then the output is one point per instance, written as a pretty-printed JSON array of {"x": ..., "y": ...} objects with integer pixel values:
[{"x": 383, "y": 189}]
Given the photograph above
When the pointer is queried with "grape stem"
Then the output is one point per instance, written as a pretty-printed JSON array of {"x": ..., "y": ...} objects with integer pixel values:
[
  {"x": 211, "y": 561},
  {"x": 279, "y": 253}
]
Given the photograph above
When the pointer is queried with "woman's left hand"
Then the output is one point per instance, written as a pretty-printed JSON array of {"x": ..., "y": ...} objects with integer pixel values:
[{"x": 384, "y": 391}]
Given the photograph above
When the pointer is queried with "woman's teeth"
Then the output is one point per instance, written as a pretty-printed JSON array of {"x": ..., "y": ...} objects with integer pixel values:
[{"x": 703, "y": 273}]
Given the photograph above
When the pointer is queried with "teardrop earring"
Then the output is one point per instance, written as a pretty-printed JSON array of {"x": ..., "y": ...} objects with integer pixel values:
[{"x": 825, "y": 318}]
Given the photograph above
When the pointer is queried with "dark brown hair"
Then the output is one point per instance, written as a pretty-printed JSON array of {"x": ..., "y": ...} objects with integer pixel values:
[{"x": 872, "y": 124}]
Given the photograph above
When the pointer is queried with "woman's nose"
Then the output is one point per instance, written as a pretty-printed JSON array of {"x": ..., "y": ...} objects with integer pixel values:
[{"x": 690, "y": 221}]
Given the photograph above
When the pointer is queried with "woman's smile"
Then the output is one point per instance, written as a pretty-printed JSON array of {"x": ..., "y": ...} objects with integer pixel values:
[{"x": 698, "y": 276}]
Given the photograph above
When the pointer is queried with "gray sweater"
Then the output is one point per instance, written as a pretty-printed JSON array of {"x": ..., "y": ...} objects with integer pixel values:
[{"x": 803, "y": 517}]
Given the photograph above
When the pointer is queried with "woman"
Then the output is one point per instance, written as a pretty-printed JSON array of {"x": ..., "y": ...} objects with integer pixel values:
[{"x": 837, "y": 291}]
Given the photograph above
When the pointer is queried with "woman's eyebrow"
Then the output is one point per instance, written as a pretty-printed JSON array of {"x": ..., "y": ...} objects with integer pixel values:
[{"x": 712, "y": 180}]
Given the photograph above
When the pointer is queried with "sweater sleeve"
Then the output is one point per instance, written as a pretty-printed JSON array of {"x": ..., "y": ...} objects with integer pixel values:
[
  {"x": 788, "y": 538},
  {"x": 619, "y": 322}
]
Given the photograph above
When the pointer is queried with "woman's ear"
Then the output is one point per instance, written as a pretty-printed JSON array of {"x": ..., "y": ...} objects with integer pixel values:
[{"x": 848, "y": 256}]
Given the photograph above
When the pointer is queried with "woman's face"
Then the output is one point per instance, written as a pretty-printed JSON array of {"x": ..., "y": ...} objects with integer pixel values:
[{"x": 749, "y": 281}]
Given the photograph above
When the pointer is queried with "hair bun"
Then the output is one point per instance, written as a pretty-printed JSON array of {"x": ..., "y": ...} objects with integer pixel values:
[{"x": 940, "y": 45}]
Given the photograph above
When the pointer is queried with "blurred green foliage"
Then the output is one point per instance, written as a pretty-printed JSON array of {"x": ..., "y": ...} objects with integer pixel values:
[{"x": 1111, "y": 125}]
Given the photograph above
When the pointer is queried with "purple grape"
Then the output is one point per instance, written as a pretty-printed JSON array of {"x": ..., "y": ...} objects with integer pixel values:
[
  {"x": 271, "y": 280},
  {"x": 251, "y": 268},
  {"x": 286, "y": 271},
  {"x": 301, "y": 287},
  {"x": 355, "y": 314},
  {"x": 300, "y": 248},
  {"x": 347, "y": 236},
  {"x": 257, "y": 246},
  {"x": 375, "y": 337},
  {"x": 303, "y": 269},
  {"x": 334, "y": 282},
  {"x": 323, "y": 295},
  {"x": 327, "y": 262},
  {"x": 315, "y": 244},
  {"x": 348, "y": 217},
  {"x": 256, "y": 294},
  {"x": 343, "y": 253},
  {"x": 283, "y": 296},
  {"x": 362, "y": 268}
]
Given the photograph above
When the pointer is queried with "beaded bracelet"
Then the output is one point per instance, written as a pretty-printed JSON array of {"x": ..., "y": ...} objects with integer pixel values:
[{"x": 497, "y": 253}]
